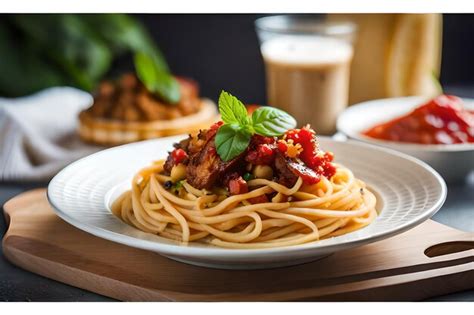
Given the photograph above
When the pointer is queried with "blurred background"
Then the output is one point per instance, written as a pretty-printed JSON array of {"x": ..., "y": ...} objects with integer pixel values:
[
  {"x": 223, "y": 50},
  {"x": 216, "y": 50},
  {"x": 394, "y": 55}
]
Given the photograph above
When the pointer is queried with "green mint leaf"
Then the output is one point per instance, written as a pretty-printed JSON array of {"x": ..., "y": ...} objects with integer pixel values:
[
  {"x": 231, "y": 140},
  {"x": 156, "y": 79},
  {"x": 271, "y": 122},
  {"x": 232, "y": 110}
]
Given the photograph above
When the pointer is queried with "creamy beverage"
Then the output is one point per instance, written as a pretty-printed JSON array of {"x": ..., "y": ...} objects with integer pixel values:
[{"x": 308, "y": 76}]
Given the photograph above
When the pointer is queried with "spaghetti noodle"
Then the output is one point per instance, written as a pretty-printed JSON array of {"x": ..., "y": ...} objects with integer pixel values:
[{"x": 296, "y": 215}]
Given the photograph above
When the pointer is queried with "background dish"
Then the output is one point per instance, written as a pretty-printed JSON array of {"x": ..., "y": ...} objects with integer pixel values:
[
  {"x": 453, "y": 162},
  {"x": 409, "y": 192}
]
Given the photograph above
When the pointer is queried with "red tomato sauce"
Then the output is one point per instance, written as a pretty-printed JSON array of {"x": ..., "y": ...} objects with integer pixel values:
[{"x": 442, "y": 120}]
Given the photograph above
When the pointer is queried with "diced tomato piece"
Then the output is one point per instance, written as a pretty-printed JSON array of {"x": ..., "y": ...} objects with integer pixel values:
[
  {"x": 311, "y": 154},
  {"x": 178, "y": 156},
  {"x": 238, "y": 186},
  {"x": 251, "y": 157},
  {"x": 213, "y": 129},
  {"x": 258, "y": 139},
  {"x": 329, "y": 170},
  {"x": 217, "y": 125},
  {"x": 265, "y": 150},
  {"x": 308, "y": 175},
  {"x": 262, "y": 155},
  {"x": 282, "y": 146},
  {"x": 252, "y": 107},
  {"x": 212, "y": 150},
  {"x": 259, "y": 199},
  {"x": 329, "y": 156},
  {"x": 293, "y": 134},
  {"x": 306, "y": 134}
]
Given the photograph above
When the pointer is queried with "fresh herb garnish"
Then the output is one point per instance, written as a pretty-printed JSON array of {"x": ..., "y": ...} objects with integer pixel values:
[
  {"x": 232, "y": 110},
  {"x": 271, "y": 122},
  {"x": 179, "y": 184},
  {"x": 247, "y": 177},
  {"x": 234, "y": 136}
]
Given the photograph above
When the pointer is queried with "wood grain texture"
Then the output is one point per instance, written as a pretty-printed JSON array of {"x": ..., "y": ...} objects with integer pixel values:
[{"x": 394, "y": 269}]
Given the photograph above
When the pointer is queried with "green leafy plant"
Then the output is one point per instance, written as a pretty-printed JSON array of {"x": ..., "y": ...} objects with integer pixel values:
[
  {"x": 39, "y": 51},
  {"x": 155, "y": 78},
  {"x": 234, "y": 136}
]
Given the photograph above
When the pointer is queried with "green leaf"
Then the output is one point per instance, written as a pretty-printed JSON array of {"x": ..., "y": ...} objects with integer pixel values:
[
  {"x": 271, "y": 122},
  {"x": 69, "y": 43},
  {"x": 232, "y": 110},
  {"x": 124, "y": 33},
  {"x": 231, "y": 140},
  {"x": 156, "y": 79},
  {"x": 74, "y": 49}
]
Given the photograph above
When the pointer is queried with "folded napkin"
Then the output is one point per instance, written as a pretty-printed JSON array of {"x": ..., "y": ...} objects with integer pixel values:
[{"x": 38, "y": 133}]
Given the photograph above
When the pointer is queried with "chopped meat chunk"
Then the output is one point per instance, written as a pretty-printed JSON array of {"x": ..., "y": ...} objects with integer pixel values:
[
  {"x": 170, "y": 161},
  {"x": 168, "y": 165},
  {"x": 238, "y": 186},
  {"x": 258, "y": 199},
  {"x": 285, "y": 176},
  {"x": 183, "y": 144},
  {"x": 205, "y": 168},
  {"x": 288, "y": 170},
  {"x": 301, "y": 170}
]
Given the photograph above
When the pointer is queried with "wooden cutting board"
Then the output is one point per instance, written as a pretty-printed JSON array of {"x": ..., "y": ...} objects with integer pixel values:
[{"x": 395, "y": 269}]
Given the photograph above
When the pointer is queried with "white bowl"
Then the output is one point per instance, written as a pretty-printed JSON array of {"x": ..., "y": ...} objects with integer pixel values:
[
  {"x": 408, "y": 192},
  {"x": 453, "y": 161}
]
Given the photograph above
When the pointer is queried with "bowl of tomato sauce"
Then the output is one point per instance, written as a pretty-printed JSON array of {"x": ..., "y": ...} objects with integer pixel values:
[{"x": 438, "y": 131}]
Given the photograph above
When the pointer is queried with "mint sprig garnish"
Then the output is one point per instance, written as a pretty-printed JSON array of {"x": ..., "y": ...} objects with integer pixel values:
[
  {"x": 271, "y": 122},
  {"x": 232, "y": 110},
  {"x": 234, "y": 136},
  {"x": 231, "y": 140}
]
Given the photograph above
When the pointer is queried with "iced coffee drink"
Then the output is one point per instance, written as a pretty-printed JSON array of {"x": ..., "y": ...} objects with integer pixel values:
[{"x": 308, "y": 76}]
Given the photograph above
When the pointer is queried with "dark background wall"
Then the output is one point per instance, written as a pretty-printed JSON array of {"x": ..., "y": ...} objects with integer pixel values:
[{"x": 222, "y": 51}]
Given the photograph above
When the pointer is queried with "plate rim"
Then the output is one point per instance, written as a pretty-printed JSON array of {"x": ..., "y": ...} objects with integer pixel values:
[{"x": 209, "y": 252}]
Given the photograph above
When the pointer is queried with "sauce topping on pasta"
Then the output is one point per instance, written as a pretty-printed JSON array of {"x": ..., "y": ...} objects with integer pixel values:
[{"x": 281, "y": 159}]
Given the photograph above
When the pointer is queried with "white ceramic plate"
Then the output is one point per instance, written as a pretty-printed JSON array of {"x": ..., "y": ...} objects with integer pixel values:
[
  {"x": 408, "y": 192},
  {"x": 454, "y": 162}
]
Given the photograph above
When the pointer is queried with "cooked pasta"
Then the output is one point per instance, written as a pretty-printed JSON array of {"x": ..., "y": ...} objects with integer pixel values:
[{"x": 296, "y": 215}]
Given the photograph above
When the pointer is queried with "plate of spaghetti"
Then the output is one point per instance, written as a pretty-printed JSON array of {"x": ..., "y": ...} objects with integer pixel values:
[{"x": 249, "y": 192}]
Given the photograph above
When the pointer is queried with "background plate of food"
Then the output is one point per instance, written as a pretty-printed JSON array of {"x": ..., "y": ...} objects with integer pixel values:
[{"x": 439, "y": 131}]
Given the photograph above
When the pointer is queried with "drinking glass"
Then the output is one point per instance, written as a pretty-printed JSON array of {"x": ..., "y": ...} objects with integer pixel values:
[{"x": 307, "y": 63}]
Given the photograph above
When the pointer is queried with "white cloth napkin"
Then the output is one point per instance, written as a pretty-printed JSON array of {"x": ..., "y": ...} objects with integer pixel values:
[{"x": 38, "y": 133}]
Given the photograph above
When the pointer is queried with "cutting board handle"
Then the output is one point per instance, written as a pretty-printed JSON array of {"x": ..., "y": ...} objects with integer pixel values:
[{"x": 446, "y": 248}]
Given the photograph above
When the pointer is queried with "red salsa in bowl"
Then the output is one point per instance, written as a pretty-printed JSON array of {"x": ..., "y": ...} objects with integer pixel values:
[{"x": 442, "y": 120}]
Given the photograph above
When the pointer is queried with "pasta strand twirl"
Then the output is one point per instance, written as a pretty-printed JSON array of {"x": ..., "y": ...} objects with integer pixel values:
[{"x": 296, "y": 215}]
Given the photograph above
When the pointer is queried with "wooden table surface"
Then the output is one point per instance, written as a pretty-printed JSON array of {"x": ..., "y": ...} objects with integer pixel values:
[{"x": 19, "y": 285}]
